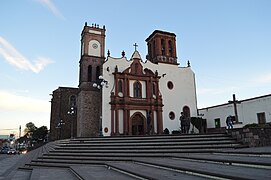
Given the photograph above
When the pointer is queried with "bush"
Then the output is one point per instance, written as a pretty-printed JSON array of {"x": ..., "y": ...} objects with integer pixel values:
[
  {"x": 199, "y": 123},
  {"x": 255, "y": 125}
]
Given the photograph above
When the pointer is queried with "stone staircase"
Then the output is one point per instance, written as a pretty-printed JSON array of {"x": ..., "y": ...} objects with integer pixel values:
[{"x": 193, "y": 156}]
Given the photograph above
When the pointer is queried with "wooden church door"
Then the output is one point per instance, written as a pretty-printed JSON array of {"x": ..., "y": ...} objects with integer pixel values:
[{"x": 137, "y": 125}]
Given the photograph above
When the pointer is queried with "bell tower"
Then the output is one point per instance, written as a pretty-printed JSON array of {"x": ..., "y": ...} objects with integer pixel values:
[
  {"x": 162, "y": 47},
  {"x": 92, "y": 54},
  {"x": 89, "y": 98}
]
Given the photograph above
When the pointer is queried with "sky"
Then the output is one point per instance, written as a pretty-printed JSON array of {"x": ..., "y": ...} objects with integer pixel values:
[{"x": 228, "y": 43}]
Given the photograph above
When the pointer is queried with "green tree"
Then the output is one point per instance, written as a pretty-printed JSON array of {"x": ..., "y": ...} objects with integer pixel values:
[
  {"x": 40, "y": 133},
  {"x": 30, "y": 128}
]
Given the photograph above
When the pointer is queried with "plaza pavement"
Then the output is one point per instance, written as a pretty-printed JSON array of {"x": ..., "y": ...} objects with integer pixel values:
[{"x": 219, "y": 164}]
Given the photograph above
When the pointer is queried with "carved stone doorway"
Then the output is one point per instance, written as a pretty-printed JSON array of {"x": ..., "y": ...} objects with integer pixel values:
[{"x": 138, "y": 125}]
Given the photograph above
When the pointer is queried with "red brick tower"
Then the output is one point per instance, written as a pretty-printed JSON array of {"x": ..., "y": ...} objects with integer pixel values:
[
  {"x": 162, "y": 47},
  {"x": 89, "y": 98}
]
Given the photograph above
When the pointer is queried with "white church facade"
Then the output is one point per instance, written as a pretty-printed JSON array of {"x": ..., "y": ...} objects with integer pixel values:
[{"x": 165, "y": 90}]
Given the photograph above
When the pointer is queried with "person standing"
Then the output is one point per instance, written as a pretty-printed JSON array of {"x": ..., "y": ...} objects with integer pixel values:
[
  {"x": 187, "y": 125},
  {"x": 229, "y": 122},
  {"x": 182, "y": 119}
]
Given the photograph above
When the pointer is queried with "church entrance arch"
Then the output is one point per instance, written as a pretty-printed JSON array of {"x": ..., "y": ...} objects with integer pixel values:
[{"x": 138, "y": 127}]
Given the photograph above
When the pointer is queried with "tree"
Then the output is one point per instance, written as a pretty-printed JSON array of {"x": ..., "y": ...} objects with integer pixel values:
[
  {"x": 40, "y": 133},
  {"x": 29, "y": 127}
]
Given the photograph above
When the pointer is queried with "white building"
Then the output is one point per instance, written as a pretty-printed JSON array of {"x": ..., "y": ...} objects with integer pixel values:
[
  {"x": 175, "y": 88},
  {"x": 254, "y": 110}
]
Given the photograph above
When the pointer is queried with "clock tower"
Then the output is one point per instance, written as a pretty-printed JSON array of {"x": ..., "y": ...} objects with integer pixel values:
[{"x": 89, "y": 98}]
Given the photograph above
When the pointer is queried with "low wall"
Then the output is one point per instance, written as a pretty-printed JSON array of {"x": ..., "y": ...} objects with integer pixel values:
[{"x": 252, "y": 137}]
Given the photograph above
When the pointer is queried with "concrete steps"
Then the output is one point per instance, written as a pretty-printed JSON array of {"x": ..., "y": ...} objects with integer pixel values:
[{"x": 153, "y": 157}]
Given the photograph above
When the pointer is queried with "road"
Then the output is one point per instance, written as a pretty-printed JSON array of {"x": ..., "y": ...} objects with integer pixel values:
[{"x": 8, "y": 163}]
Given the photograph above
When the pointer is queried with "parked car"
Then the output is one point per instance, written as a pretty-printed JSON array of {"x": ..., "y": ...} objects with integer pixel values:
[
  {"x": 4, "y": 150},
  {"x": 12, "y": 151}
]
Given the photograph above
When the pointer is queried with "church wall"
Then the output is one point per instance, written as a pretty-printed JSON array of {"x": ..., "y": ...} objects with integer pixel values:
[
  {"x": 221, "y": 113},
  {"x": 155, "y": 122},
  {"x": 247, "y": 112},
  {"x": 251, "y": 108},
  {"x": 182, "y": 94},
  {"x": 121, "y": 121},
  {"x": 60, "y": 105}
]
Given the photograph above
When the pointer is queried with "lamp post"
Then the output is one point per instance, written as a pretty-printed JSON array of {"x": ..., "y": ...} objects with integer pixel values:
[
  {"x": 101, "y": 82},
  {"x": 72, "y": 112},
  {"x": 59, "y": 126}
]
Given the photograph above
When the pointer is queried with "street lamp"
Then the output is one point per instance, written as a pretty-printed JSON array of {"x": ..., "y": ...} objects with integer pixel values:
[
  {"x": 72, "y": 112},
  {"x": 101, "y": 82},
  {"x": 59, "y": 126}
]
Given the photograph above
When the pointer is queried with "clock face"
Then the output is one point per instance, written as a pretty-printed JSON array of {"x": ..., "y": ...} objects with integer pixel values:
[{"x": 95, "y": 46}]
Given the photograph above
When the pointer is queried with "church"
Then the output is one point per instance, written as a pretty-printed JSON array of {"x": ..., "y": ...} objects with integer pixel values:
[{"x": 118, "y": 96}]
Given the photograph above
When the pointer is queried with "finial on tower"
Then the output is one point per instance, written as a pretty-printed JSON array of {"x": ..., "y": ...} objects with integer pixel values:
[
  {"x": 188, "y": 64},
  {"x": 123, "y": 53}
]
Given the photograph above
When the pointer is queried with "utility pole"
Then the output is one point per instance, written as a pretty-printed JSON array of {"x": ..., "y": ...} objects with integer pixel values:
[{"x": 20, "y": 130}]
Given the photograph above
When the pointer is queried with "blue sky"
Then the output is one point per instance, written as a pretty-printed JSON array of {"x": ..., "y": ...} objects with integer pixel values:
[{"x": 228, "y": 43}]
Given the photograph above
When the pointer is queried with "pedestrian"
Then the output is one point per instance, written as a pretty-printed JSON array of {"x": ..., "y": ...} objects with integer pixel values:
[
  {"x": 229, "y": 122},
  {"x": 187, "y": 125},
  {"x": 182, "y": 119}
]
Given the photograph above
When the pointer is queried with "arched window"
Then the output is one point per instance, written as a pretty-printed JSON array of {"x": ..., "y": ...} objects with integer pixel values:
[
  {"x": 170, "y": 48},
  {"x": 137, "y": 89},
  {"x": 97, "y": 73},
  {"x": 150, "y": 52},
  {"x": 163, "y": 47},
  {"x": 89, "y": 73},
  {"x": 72, "y": 100},
  {"x": 120, "y": 87}
]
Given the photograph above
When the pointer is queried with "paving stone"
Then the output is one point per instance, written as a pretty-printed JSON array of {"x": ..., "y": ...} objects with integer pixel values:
[
  {"x": 150, "y": 172},
  {"x": 99, "y": 172},
  {"x": 212, "y": 169},
  {"x": 52, "y": 174},
  {"x": 198, "y": 154}
]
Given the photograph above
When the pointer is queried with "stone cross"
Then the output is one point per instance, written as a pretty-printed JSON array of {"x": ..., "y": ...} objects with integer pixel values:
[
  {"x": 235, "y": 102},
  {"x": 135, "y": 46}
]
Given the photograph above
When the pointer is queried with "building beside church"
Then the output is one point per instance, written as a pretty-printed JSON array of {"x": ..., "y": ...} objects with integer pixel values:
[
  {"x": 248, "y": 111},
  {"x": 124, "y": 96}
]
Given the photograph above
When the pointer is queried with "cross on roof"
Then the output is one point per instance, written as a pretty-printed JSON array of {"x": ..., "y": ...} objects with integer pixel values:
[{"x": 135, "y": 46}]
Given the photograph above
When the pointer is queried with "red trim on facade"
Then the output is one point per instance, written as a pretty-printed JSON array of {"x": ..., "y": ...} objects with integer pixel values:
[{"x": 152, "y": 102}]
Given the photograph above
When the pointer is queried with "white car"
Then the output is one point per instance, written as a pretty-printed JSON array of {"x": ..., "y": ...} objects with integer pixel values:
[{"x": 12, "y": 151}]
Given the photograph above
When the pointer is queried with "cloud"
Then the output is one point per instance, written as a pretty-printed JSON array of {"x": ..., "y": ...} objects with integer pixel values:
[
  {"x": 265, "y": 78},
  {"x": 10, "y": 101},
  {"x": 50, "y": 5},
  {"x": 15, "y": 58}
]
